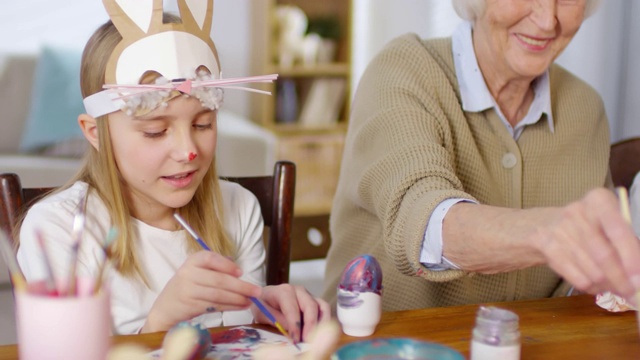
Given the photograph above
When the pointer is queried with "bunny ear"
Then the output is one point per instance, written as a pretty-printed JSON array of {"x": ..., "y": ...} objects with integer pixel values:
[
  {"x": 197, "y": 12},
  {"x": 133, "y": 16}
]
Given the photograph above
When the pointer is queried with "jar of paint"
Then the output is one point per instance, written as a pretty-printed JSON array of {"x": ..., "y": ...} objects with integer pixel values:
[{"x": 495, "y": 335}]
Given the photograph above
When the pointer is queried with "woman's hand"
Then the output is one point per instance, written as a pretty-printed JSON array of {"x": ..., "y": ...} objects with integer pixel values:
[
  {"x": 206, "y": 282},
  {"x": 294, "y": 308},
  {"x": 587, "y": 242},
  {"x": 592, "y": 246}
]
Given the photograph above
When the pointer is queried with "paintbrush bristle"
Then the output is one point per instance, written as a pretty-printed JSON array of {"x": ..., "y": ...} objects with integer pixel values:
[
  {"x": 286, "y": 334},
  {"x": 624, "y": 203}
]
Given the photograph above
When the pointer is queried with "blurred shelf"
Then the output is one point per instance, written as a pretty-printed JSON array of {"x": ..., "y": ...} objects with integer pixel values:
[
  {"x": 297, "y": 128},
  {"x": 310, "y": 106},
  {"x": 319, "y": 70}
]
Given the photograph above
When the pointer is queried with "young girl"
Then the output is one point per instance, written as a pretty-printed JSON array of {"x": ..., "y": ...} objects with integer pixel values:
[{"x": 151, "y": 156}]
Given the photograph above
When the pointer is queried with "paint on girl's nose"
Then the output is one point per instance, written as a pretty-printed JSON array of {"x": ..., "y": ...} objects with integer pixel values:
[{"x": 192, "y": 156}]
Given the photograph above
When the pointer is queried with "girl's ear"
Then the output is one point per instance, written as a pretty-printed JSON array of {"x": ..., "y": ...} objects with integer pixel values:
[{"x": 89, "y": 127}]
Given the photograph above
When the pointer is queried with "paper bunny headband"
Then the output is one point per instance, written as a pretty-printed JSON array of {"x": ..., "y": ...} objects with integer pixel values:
[{"x": 183, "y": 54}]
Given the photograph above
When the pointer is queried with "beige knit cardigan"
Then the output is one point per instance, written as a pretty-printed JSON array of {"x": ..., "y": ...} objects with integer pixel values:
[{"x": 410, "y": 146}]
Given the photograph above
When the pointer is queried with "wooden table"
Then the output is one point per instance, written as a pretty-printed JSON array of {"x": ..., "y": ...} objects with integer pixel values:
[{"x": 560, "y": 328}]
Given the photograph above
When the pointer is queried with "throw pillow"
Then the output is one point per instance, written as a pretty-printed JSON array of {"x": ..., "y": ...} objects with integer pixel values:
[{"x": 56, "y": 101}]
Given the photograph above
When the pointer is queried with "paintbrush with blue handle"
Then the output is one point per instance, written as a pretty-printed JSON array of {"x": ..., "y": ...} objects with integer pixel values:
[{"x": 257, "y": 302}]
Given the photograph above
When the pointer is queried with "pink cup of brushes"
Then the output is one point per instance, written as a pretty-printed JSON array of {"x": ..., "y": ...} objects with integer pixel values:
[{"x": 63, "y": 327}]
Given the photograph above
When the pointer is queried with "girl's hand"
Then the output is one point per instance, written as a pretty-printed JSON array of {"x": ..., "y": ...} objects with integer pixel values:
[
  {"x": 294, "y": 308},
  {"x": 206, "y": 282}
]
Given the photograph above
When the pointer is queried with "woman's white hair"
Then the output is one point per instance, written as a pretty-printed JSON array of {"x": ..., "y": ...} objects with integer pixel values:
[{"x": 471, "y": 9}]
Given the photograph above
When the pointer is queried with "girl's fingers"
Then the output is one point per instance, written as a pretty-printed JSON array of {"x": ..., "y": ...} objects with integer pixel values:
[
  {"x": 310, "y": 311},
  {"x": 220, "y": 297},
  {"x": 325, "y": 310},
  {"x": 281, "y": 302},
  {"x": 206, "y": 282},
  {"x": 220, "y": 281},
  {"x": 288, "y": 305},
  {"x": 209, "y": 269},
  {"x": 213, "y": 261},
  {"x": 296, "y": 309}
]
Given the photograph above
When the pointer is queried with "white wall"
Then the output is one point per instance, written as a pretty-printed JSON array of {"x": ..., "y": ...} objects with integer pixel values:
[
  {"x": 376, "y": 22},
  {"x": 27, "y": 24},
  {"x": 597, "y": 55},
  {"x": 232, "y": 34},
  {"x": 629, "y": 75}
]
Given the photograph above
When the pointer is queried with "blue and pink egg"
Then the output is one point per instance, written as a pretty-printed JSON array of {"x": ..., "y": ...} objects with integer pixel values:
[
  {"x": 201, "y": 348},
  {"x": 362, "y": 274}
]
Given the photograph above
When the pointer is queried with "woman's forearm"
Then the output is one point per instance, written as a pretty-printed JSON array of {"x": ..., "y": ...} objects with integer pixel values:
[{"x": 488, "y": 239}]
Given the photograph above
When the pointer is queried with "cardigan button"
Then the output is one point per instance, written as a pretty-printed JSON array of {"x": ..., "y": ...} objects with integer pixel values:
[{"x": 509, "y": 161}]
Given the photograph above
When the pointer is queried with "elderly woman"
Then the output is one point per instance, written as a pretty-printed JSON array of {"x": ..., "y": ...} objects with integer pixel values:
[{"x": 474, "y": 167}]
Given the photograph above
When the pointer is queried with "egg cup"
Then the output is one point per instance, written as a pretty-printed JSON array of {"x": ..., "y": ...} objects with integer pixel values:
[{"x": 359, "y": 312}]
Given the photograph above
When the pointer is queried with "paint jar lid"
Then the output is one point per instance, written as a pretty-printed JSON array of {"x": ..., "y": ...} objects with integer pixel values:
[{"x": 496, "y": 326}]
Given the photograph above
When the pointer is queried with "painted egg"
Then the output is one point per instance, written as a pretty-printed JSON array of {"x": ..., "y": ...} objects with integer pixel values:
[
  {"x": 199, "y": 347},
  {"x": 362, "y": 274}
]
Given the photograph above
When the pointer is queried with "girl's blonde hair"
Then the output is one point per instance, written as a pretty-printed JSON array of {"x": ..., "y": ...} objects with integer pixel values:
[
  {"x": 204, "y": 212},
  {"x": 471, "y": 9}
]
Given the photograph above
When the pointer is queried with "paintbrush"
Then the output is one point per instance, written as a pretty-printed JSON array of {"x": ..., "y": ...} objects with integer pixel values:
[
  {"x": 17, "y": 278},
  {"x": 50, "y": 281},
  {"x": 106, "y": 248},
  {"x": 76, "y": 235},
  {"x": 257, "y": 302},
  {"x": 272, "y": 318},
  {"x": 626, "y": 214},
  {"x": 190, "y": 230}
]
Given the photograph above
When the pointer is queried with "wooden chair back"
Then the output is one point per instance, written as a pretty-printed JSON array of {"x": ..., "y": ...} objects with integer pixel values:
[
  {"x": 275, "y": 194},
  {"x": 624, "y": 161}
]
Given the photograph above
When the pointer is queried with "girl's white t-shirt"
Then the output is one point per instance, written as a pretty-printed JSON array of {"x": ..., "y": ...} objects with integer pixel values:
[{"x": 161, "y": 252}]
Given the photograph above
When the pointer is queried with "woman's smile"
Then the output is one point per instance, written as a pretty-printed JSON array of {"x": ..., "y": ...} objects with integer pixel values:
[{"x": 533, "y": 43}]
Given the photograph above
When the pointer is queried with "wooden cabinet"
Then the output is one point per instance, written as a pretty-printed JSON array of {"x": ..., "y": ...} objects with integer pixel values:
[
  {"x": 317, "y": 159},
  {"x": 311, "y": 237},
  {"x": 309, "y": 108}
]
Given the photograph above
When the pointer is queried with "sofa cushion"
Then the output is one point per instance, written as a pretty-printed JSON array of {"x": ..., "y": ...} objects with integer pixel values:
[
  {"x": 56, "y": 101},
  {"x": 39, "y": 171},
  {"x": 16, "y": 76}
]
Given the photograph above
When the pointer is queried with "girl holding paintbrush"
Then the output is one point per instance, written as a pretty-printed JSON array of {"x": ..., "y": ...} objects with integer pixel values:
[{"x": 151, "y": 91}]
